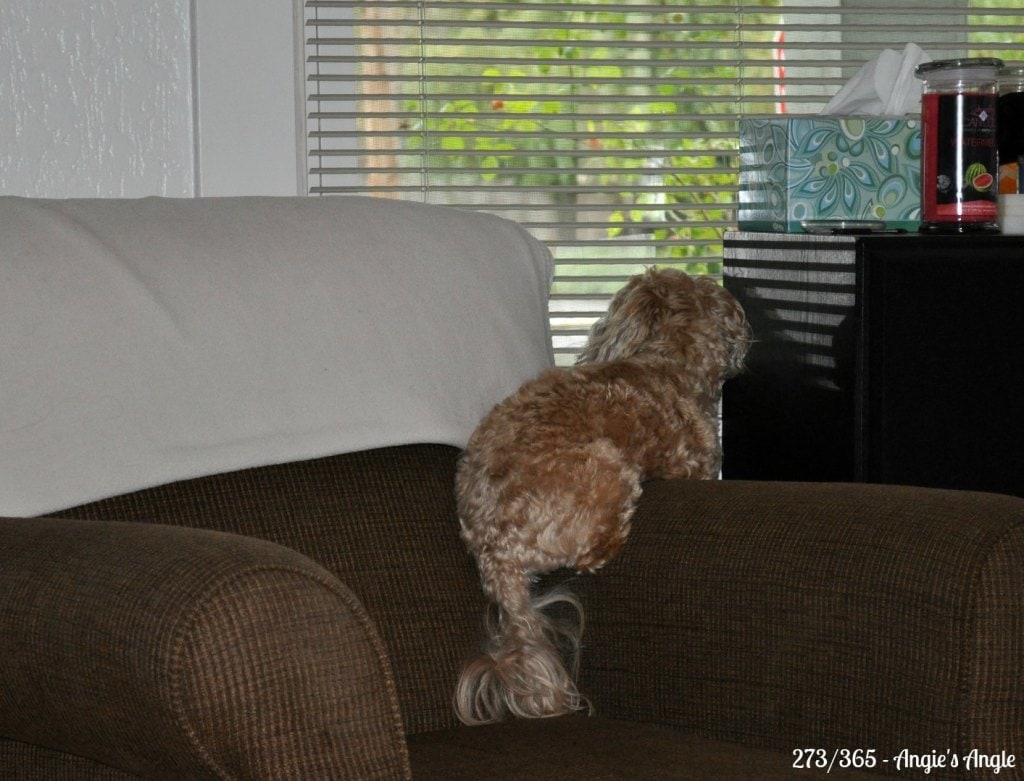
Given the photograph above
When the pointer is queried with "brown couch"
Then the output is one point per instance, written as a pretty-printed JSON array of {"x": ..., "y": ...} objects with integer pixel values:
[{"x": 307, "y": 620}]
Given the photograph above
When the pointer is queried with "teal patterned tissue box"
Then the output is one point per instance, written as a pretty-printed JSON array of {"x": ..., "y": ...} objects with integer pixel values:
[{"x": 829, "y": 168}]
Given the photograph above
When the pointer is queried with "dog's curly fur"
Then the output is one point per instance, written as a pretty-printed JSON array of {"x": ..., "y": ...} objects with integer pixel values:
[{"x": 552, "y": 475}]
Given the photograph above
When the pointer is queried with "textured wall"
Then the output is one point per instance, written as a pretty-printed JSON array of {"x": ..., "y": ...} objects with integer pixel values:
[{"x": 95, "y": 98}]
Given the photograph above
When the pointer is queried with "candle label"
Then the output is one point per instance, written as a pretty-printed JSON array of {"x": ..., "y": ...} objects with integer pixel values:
[{"x": 960, "y": 165}]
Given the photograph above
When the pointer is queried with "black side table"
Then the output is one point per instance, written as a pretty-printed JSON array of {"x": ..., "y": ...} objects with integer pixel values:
[{"x": 885, "y": 358}]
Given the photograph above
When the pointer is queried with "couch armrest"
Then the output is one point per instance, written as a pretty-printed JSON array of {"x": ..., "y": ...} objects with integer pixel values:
[
  {"x": 816, "y": 615},
  {"x": 184, "y": 653}
]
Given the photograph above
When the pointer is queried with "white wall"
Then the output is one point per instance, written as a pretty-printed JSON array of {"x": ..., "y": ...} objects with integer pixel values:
[
  {"x": 247, "y": 110},
  {"x": 147, "y": 97}
]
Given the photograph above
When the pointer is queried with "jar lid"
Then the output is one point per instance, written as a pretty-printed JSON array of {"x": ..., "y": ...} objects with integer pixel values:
[{"x": 940, "y": 67}]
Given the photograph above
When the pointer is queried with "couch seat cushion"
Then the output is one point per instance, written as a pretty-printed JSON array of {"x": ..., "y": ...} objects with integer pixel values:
[{"x": 594, "y": 748}]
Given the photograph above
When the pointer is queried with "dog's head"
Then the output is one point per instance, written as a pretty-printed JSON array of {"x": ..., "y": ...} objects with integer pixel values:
[{"x": 669, "y": 314}]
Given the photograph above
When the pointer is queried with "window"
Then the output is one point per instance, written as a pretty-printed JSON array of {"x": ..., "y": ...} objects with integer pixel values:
[{"x": 609, "y": 129}]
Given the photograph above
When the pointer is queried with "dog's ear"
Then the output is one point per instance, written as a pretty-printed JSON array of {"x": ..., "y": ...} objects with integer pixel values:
[{"x": 629, "y": 323}]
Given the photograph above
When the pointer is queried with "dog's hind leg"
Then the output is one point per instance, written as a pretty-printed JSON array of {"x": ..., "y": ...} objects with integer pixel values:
[{"x": 521, "y": 673}]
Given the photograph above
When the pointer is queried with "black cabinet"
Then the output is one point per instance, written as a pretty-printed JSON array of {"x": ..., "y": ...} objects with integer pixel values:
[{"x": 884, "y": 358}]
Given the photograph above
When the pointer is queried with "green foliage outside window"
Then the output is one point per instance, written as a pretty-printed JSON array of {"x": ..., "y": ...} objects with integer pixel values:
[{"x": 657, "y": 133}]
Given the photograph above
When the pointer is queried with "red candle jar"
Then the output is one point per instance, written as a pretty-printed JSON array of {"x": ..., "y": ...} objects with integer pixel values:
[{"x": 959, "y": 159}]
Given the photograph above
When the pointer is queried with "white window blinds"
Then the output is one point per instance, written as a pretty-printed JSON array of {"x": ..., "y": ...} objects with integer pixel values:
[{"x": 609, "y": 129}]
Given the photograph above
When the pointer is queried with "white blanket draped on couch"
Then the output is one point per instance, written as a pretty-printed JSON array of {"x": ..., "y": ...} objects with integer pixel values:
[{"x": 93, "y": 406}]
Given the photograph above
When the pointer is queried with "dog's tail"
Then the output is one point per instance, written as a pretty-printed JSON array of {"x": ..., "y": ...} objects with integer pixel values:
[{"x": 522, "y": 673}]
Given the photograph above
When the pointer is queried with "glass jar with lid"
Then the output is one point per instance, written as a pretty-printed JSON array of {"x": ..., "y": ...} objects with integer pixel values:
[{"x": 959, "y": 160}]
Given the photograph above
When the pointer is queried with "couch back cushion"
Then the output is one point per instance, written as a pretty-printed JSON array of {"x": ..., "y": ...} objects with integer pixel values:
[
  {"x": 383, "y": 520},
  {"x": 149, "y": 341}
]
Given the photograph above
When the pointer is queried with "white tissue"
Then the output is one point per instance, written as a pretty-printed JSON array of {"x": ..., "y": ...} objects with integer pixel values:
[{"x": 884, "y": 86}]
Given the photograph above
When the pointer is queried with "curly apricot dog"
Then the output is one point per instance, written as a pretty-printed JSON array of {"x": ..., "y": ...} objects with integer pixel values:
[{"x": 552, "y": 475}]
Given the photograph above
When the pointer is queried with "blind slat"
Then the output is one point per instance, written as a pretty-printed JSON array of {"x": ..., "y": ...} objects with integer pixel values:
[
  {"x": 570, "y": 7},
  {"x": 550, "y": 188}
]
